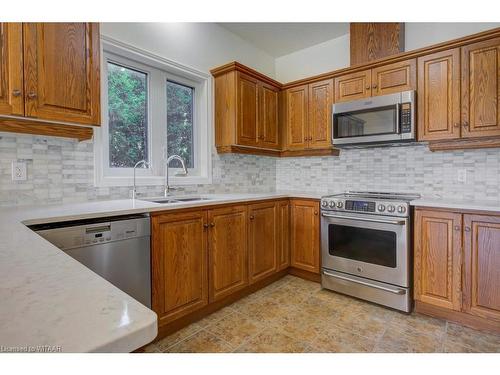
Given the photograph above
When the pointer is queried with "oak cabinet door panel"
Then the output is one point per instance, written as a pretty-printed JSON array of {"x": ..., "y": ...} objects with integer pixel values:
[
  {"x": 61, "y": 72},
  {"x": 437, "y": 268},
  {"x": 320, "y": 114},
  {"x": 11, "y": 69},
  {"x": 284, "y": 235},
  {"x": 482, "y": 266},
  {"x": 353, "y": 86},
  {"x": 297, "y": 102},
  {"x": 392, "y": 78},
  {"x": 227, "y": 248},
  {"x": 268, "y": 123},
  {"x": 305, "y": 235},
  {"x": 248, "y": 110},
  {"x": 439, "y": 95}
]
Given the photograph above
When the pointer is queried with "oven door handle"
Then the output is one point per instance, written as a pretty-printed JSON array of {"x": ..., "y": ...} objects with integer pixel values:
[
  {"x": 395, "y": 222},
  {"x": 386, "y": 289}
]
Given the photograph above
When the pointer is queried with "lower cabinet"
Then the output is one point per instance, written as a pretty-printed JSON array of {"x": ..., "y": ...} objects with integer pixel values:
[
  {"x": 227, "y": 249},
  {"x": 179, "y": 264},
  {"x": 305, "y": 235},
  {"x": 283, "y": 234},
  {"x": 457, "y": 264},
  {"x": 263, "y": 241}
]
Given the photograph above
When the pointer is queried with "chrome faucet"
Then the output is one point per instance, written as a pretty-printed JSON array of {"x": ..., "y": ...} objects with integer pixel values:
[
  {"x": 145, "y": 163},
  {"x": 183, "y": 173}
]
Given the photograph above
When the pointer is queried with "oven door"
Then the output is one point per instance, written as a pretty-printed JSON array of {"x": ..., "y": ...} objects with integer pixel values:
[{"x": 375, "y": 247}]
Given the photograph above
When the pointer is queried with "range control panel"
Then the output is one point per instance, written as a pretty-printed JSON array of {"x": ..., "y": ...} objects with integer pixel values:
[{"x": 376, "y": 207}]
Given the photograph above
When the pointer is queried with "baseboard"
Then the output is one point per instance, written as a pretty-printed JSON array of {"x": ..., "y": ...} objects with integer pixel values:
[
  {"x": 307, "y": 275},
  {"x": 462, "y": 318}
]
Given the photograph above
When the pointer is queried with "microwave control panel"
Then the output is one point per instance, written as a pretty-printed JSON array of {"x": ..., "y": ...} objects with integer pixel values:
[{"x": 405, "y": 118}]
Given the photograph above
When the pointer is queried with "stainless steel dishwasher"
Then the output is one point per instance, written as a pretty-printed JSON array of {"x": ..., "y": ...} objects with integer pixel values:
[{"x": 116, "y": 248}]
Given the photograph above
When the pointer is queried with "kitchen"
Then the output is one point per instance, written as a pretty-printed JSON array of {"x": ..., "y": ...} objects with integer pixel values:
[{"x": 238, "y": 200}]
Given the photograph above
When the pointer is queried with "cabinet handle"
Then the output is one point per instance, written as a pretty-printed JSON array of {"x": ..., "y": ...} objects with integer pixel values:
[
  {"x": 316, "y": 212},
  {"x": 16, "y": 92},
  {"x": 252, "y": 217},
  {"x": 310, "y": 138},
  {"x": 212, "y": 225},
  {"x": 368, "y": 87},
  {"x": 374, "y": 86},
  {"x": 457, "y": 227},
  {"x": 32, "y": 95},
  {"x": 305, "y": 138},
  {"x": 467, "y": 229},
  {"x": 205, "y": 225}
]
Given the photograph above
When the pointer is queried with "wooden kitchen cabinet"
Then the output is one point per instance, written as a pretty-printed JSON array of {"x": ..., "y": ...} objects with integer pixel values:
[
  {"x": 482, "y": 266},
  {"x": 353, "y": 86},
  {"x": 481, "y": 89},
  {"x": 305, "y": 235},
  {"x": 283, "y": 234},
  {"x": 297, "y": 117},
  {"x": 248, "y": 107},
  {"x": 320, "y": 114},
  {"x": 227, "y": 249},
  {"x": 393, "y": 78},
  {"x": 263, "y": 240},
  {"x": 438, "y": 95},
  {"x": 11, "y": 69},
  {"x": 61, "y": 72},
  {"x": 269, "y": 134},
  {"x": 179, "y": 264},
  {"x": 437, "y": 266}
]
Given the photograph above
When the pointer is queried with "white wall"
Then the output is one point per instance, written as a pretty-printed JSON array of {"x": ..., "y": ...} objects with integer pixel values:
[
  {"x": 199, "y": 45},
  {"x": 334, "y": 54}
]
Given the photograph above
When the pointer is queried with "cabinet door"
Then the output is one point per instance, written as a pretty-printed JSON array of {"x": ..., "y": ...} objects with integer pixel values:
[
  {"x": 437, "y": 268},
  {"x": 320, "y": 114},
  {"x": 481, "y": 89},
  {"x": 268, "y": 122},
  {"x": 227, "y": 249},
  {"x": 263, "y": 240},
  {"x": 283, "y": 235},
  {"x": 353, "y": 86},
  {"x": 305, "y": 236},
  {"x": 439, "y": 95},
  {"x": 11, "y": 69},
  {"x": 248, "y": 112},
  {"x": 397, "y": 77},
  {"x": 482, "y": 266},
  {"x": 61, "y": 72},
  {"x": 297, "y": 117},
  {"x": 179, "y": 264}
]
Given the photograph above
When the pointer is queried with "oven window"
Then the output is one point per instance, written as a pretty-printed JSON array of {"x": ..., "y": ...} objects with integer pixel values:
[
  {"x": 365, "y": 245},
  {"x": 375, "y": 121}
]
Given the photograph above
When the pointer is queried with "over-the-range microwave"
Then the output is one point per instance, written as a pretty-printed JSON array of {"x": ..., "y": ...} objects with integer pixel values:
[{"x": 377, "y": 120}]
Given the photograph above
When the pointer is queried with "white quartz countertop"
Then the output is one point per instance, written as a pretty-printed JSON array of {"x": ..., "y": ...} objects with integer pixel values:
[
  {"x": 458, "y": 204},
  {"x": 49, "y": 301}
]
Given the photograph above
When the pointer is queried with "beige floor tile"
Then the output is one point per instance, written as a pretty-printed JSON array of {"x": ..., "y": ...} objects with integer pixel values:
[
  {"x": 452, "y": 347},
  {"x": 201, "y": 342},
  {"x": 215, "y": 317},
  {"x": 361, "y": 323},
  {"x": 235, "y": 328},
  {"x": 419, "y": 324},
  {"x": 395, "y": 340},
  {"x": 297, "y": 284},
  {"x": 338, "y": 340},
  {"x": 272, "y": 341},
  {"x": 477, "y": 340},
  {"x": 302, "y": 326},
  {"x": 175, "y": 337},
  {"x": 152, "y": 348}
]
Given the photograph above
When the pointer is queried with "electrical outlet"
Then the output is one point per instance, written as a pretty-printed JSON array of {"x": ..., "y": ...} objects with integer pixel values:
[
  {"x": 462, "y": 176},
  {"x": 18, "y": 171}
]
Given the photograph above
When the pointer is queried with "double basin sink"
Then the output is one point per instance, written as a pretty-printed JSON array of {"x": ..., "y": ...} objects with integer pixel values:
[{"x": 174, "y": 199}]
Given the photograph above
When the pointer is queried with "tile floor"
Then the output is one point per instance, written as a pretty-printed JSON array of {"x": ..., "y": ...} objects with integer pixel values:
[{"x": 293, "y": 315}]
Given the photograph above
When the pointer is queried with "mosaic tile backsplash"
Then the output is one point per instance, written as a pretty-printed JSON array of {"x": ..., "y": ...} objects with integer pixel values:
[
  {"x": 61, "y": 171},
  {"x": 402, "y": 169}
]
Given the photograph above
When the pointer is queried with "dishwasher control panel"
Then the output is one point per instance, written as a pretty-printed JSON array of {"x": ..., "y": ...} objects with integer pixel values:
[{"x": 88, "y": 234}]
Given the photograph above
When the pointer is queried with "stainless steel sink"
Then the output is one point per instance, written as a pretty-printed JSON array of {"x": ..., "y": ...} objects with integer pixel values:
[{"x": 173, "y": 199}]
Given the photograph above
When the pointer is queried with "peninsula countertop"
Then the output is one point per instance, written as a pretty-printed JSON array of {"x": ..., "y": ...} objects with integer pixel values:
[{"x": 51, "y": 302}]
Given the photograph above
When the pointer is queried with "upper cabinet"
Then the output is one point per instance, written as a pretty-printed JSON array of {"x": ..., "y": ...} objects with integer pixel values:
[
  {"x": 382, "y": 80},
  {"x": 50, "y": 72},
  {"x": 11, "y": 69},
  {"x": 246, "y": 111},
  {"x": 308, "y": 116},
  {"x": 481, "y": 89}
]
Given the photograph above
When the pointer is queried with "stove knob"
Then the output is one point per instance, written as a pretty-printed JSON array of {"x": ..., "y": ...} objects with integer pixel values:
[
  {"x": 391, "y": 208},
  {"x": 340, "y": 204},
  {"x": 381, "y": 207},
  {"x": 401, "y": 209},
  {"x": 324, "y": 204},
  {"x": 332, "y": 204}
]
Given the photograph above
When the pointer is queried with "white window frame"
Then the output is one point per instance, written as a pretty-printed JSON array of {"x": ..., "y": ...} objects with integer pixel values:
[{"x": 159, "y": 70}]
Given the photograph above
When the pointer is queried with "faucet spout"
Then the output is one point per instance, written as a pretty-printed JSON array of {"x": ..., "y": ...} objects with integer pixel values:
[
  {"x": 183, "y": 173},
  {"x": 142, "y": 162}
]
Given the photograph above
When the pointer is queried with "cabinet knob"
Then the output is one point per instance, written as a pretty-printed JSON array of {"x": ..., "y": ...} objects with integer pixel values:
[
  {"x": 457, "y": 227},
  {"x": 368, "y": 87},
  {"x": 467, "y": 229},
  {"x": 310, "y": 138},
  {"x": 252, "y": 217},
  {"x": 466, "y": 125},
  {"x": 316, "y": 212},
  {"x": 32, "y": 95},
  {"x": 16, "y": 92},
  {"x": 305, "y": 138},
  {"x": 456, "y": 125},
  {"x": 374, "y": 86},
  {"x": 212, "y": 225},
  {"x": 205, "y": 225}
]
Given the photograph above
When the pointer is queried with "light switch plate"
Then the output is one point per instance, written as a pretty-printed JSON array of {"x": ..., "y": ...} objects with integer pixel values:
[{"x": 18, "y": 171}]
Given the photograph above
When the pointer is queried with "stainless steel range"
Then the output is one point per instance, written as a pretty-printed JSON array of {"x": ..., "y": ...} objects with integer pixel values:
[{"x": 366, "y": 246}]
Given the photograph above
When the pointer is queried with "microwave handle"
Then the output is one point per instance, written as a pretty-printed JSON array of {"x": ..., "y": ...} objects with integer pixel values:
[{"x": 398, "y": 118}]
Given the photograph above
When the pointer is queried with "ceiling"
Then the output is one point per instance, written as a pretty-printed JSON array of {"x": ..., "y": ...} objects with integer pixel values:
[{"x": 278, "y": 39}]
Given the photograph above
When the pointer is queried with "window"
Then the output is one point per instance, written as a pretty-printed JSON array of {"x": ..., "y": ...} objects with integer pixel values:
[{"x": 152, "y": 108}]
